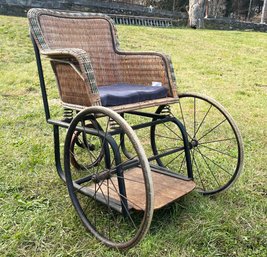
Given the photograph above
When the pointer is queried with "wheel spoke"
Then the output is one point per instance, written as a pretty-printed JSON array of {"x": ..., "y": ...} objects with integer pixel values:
[
  {"x": 172, "y": 131},
  {"x": 182, "y": 164},
  {"x": 83, "y": 179},
  {"x": 75, "y": 156},
  {"x": 79, "y": 141},
  {"x": 194, "y": 161},
  {"x": 120, "y": 195},
  {"x": 218, "y": 140},
  {"x": 132, "y": 180},
  {"x": 122, "y": 163},
  {"x": 104, "y": 140},
  {"x": 95, "y": 202},
  {"x": 203, "y": 120},
  {"x": 182, "y": 113},
  {"x": 109, "y": 228},
  {"x": 209, "y": 167},
  {"x": 125, "y": 162},
  {"x": 167, "y": 149},
  {"x": 92, "y": 161},
  {"x": 172, "y": 138},
  {"x": 173, "y": 159},
  {"x": 107, "y": 204},
  {"x": 85, "y": 141},
  {"x": 194, "y": 117},
  {"x": 219, "y": 124},
  {"x": 218, "y": 151},
  {"x": 217, "y": 164},
  {"x": 91, "y": 155},
  {"x": 89, "y": 199}
]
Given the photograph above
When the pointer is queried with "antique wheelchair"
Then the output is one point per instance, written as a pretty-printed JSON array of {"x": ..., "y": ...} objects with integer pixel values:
[{"x": 115, "y": 178}]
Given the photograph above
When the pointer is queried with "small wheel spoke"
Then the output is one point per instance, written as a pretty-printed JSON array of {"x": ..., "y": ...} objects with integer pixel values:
[
  {"x": 80, "y": 141},
  {"x": 84, "y": 142},
  {"x": 124, "y": 162},
  {"x": 91, "y": 155},
  {"x": 119, "y": 146},
  {"x": 75, "y": 156},
  {"x": 92, "y": 161}
]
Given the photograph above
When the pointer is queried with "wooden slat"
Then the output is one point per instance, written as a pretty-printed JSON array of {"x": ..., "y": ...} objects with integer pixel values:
[
  {"x": 130, "y": 107},
  {"x": 167, "y": 189}
]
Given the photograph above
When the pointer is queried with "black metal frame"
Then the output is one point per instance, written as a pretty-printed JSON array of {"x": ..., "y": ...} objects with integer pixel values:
[{"x": 156, "y": 119}]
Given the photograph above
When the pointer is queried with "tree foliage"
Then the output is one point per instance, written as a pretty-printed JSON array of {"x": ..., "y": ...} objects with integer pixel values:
[{"x": 235, "y": 8}]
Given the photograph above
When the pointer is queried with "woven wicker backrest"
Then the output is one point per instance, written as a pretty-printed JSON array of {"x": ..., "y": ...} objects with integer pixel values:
[{"x": 93, "y": 33}]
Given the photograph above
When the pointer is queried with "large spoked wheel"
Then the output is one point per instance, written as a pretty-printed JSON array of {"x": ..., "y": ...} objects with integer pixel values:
[
  {"x": 113, "y": 197},
  {"x": 216, "y": 145}
]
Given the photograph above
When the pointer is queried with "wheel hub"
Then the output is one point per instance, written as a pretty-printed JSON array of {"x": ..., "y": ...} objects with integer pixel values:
[
  {"x": 193, "y": 143},
  {"x": 98, "y": 177}
]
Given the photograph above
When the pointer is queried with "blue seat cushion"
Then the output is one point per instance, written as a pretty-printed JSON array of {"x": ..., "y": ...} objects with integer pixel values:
[{"x": 120, "y": 94}]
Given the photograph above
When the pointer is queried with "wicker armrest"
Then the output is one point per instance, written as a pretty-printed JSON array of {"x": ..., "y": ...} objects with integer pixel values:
[
  {"x": 79, "y": 61},
  {"x": 150, "y": 66}
]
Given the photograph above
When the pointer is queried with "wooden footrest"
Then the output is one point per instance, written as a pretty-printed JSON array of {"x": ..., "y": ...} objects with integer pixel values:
[{"x": 166, "y": 190}]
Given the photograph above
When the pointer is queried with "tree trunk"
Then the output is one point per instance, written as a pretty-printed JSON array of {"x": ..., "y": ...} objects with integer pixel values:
[
  {"x": 196, "y": 13},
  {"x": 249, "y": 10},
  {"x": 264, "y": 12}
]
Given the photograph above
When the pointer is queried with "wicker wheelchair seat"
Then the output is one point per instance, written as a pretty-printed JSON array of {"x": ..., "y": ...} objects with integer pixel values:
[{"x": 84, "y": 52}]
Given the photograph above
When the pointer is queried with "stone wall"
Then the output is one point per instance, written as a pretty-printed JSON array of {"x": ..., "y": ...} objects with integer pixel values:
[
  {"x": 20, "y": 7},
  {"x": 231, "y": 24}
]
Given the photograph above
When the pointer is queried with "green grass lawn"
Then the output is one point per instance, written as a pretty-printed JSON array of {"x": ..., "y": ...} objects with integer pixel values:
[{"x": 36, "y": 216}]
